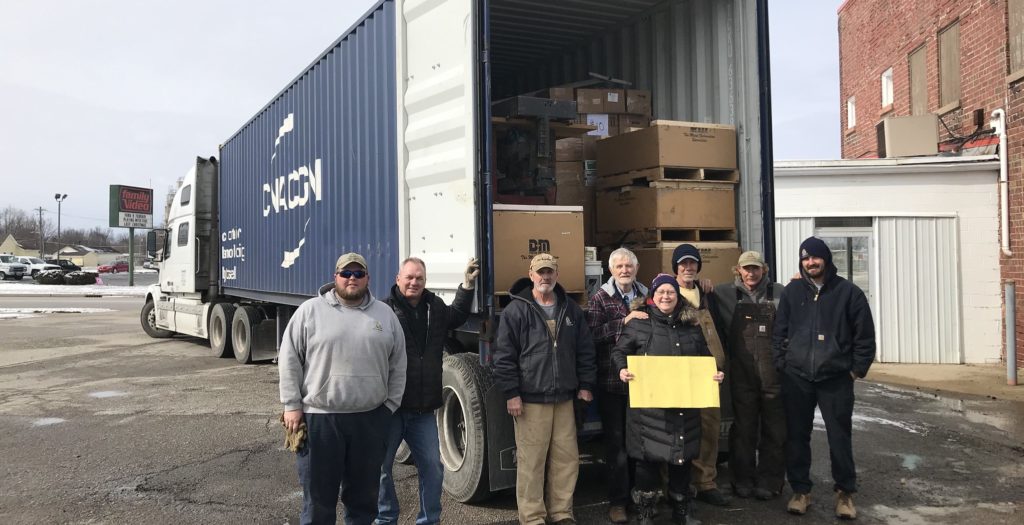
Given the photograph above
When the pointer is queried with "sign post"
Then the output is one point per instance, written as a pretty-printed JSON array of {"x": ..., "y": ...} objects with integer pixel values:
[{"x": 131, "y": 208}]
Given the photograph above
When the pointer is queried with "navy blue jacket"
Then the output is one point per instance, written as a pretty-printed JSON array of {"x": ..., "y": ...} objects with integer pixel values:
[
  {"x": 823, "y": 334},
  {"x": 531, "y": 363}
]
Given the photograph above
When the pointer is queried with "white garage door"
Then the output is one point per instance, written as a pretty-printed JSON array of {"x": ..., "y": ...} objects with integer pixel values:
[{"x": 918, "y": 316}]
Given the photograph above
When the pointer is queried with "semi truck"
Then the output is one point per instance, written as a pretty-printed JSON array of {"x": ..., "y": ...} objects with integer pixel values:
[{"x": 383, "y": 146}]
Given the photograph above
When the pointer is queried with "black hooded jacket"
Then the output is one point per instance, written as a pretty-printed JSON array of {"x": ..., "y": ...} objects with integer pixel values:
[
  {"x": 819, "y": 334},
  {"x": 662, "y": 434},
  {"x": 529, "y": 362},
  {"x": 423, "y": 371}
]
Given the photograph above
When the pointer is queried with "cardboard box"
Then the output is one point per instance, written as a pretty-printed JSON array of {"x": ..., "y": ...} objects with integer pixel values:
[
  {"x": 561, "y": 93},
  {"x": 718, "y": 260},
  {"x": 629, "y": 123},
  {"x": 520, "y": 232},
  {"x": 614, "y": 101},
  {"x": 638, "y": 102},
  {"x": 590, "y": 100},
  {"x": 695, "y": 205},
  {"x": 569, "y": 150},
  {"x": 669, "y": 143},
  {"x": 607, "y": 125}
]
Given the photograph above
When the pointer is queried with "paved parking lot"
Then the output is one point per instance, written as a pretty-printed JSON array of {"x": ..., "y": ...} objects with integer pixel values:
[{"x": 100, "y": 424}]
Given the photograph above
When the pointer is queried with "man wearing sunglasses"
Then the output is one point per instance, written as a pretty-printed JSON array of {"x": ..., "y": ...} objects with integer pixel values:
[
  {"x": 426, "y": 321},
  {"x": 342, "y": 368}
]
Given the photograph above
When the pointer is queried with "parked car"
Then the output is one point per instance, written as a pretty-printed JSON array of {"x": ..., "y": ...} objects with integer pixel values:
[
  {"x": 10, "y": 267},
  {"x": 36, "y": 265},
  {"x": 65, "y": 265},
  {"x": 118, "y": 266}
]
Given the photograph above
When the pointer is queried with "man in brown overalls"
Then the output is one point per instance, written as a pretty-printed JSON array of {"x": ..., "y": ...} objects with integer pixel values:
[
  {"x": 757, "y": 437},
  {"x": 687, "y": 263}
]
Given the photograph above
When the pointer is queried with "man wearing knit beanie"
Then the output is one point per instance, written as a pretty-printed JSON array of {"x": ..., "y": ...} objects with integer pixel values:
[
  {"x": 687, "y": 263},
  {"x": 823, "y": 340}
]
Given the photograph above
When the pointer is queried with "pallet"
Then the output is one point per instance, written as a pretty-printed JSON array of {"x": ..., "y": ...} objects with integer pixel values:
[
  {"x": 668, "y": 173},
  {"x": 655, "y": 235}
]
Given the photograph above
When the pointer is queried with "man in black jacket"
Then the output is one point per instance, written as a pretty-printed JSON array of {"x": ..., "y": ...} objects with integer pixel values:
[
  {"x": 823, "y": 340},
  {"x": 426, "y": 321},
  {"x": 544, "y": 358}
]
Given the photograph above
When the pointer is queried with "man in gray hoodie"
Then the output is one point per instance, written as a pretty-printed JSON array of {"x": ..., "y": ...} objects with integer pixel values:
[{"x": 342, "y": 371}]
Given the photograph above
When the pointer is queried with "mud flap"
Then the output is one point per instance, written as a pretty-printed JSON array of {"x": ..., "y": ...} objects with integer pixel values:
[{"x": 501, "y": 441}]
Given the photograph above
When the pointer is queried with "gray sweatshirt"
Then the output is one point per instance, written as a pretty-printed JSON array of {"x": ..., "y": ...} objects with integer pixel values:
[{"x": 342, "y": 359}]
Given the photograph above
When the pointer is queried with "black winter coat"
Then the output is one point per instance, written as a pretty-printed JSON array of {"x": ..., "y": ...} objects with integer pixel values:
[
  {"x": 530, "y": 363},
  {"x": 423, "y": 371},
  {"x": 669, "y": 435},
  {"x": 822, "y": 334}
]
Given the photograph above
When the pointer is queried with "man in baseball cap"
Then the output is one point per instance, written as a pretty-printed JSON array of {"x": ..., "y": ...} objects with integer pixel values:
[
  {"x": 542, "y": 322},
  {"x": 746, "y": 307},
  {"x": 348, "y": 421}
]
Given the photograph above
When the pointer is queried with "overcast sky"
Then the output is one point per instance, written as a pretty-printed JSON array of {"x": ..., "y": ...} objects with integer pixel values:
[{"x": 127, "y": 92}]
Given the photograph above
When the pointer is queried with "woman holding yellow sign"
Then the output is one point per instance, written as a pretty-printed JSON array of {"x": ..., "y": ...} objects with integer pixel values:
[{"x": 662, "y": 436}]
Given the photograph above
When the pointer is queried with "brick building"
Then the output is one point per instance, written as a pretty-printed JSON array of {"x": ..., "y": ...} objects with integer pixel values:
[{"x": 958, "y": 59}]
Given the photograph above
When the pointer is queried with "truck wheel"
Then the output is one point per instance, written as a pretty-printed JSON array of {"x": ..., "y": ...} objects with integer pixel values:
[
  {"x": 243, "y": 326},
  {"x": 461, "y": 428},
  {"x": 148, "y": 318},
  {"x": 221, "y": 317},
  {"x": 404, "y": 454},
  {"x": 3, "y": 276}
]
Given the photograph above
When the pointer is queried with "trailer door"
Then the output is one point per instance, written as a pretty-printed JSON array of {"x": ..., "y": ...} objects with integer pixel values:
[{"x": 437, "y": 157}]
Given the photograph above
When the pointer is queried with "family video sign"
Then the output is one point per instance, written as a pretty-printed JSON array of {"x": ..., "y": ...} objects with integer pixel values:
[{"x": 131, "y": 207}]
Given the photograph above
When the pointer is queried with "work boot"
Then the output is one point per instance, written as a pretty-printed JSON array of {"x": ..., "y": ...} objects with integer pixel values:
[
  {"x": 682, "y": 511},
  {"x": 765, "y": 494},
  {"x": 617, "y": 514},
  {"x": 714, "y": 497},
  {"x": 798, "y": 504},
  {"x": 844, "y": 506},
  {"x": 644, "y": 502}
]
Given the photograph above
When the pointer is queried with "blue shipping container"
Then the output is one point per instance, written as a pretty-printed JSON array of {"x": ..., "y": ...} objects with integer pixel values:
[{"x": 313, "y": 174}]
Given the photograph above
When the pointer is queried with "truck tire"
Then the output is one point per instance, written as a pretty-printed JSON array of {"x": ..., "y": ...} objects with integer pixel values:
[
  {"x": 462, "y": 428},
  {"x": 221, "y": 317},
  {"x": 148, "y": 319},
  {"x": 404, "y": 454},
  {"x": 3, "y": 276},
  {"x": 243, "y": 332}
]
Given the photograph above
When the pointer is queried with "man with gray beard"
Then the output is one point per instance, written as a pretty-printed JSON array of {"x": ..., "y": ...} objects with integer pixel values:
[{"x": 342, "y": 372}]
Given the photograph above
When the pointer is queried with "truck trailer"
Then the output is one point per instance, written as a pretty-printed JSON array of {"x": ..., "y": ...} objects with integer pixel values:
[{"x": 383, "y": 146}]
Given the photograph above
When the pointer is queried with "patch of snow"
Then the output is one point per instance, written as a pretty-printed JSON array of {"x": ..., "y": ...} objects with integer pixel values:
[
  {"x": 17, "y": 311},
  {"x": 882, "y": 421},
  {"x": 7, "y": 288},
  {"x": 47, "y": 421},
  {"x": 16, "y": 316},
  {"x": 107, "y": 393}
]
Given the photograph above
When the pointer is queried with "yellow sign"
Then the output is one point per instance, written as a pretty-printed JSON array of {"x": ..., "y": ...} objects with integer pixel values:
[{"x": 672, "y": 382}]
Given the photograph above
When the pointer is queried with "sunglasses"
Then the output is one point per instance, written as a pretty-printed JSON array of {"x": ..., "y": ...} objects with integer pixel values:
[{"x": 348, "y": 274}]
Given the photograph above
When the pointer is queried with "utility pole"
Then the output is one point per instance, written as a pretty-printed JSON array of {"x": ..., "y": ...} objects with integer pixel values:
[{"x": 42, "y": 246}]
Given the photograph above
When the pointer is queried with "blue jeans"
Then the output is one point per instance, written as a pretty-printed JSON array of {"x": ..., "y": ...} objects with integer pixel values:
[{"x": 419, "y": 430}]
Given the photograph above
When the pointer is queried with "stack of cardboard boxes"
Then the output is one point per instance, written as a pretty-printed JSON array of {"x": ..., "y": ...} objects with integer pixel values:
[
  {"x": 670, "y": 183},
  {"x": 611, "y": 111}
]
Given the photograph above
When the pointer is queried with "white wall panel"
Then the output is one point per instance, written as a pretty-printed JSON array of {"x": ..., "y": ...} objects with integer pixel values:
[{"x": 918, "y": 313}]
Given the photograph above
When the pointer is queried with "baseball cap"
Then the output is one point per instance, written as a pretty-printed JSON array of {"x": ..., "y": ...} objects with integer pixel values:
[
  {"x": 348, "y": 259},
  {"x": 543, "y": 260},
  {"x": 751, "y": 258}
]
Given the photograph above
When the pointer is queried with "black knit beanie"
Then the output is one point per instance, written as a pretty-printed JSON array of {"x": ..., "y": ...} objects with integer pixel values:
[
  {"x": 815, "y": 247},
  {"x": 686, "y": 251}
]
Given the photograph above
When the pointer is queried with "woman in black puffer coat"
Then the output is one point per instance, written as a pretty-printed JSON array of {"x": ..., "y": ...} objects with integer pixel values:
[{"x": 659, "y": 436}]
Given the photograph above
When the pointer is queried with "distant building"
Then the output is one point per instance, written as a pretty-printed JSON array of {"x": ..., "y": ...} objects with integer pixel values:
[
  {"x": 16, "y": 247},
  {"x": 956, "y": 59},
  {"x": 87, "y": 257}
]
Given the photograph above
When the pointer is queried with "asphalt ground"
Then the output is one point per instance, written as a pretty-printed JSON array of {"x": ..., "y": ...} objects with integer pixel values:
[{"x": 101, "y": 424}]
